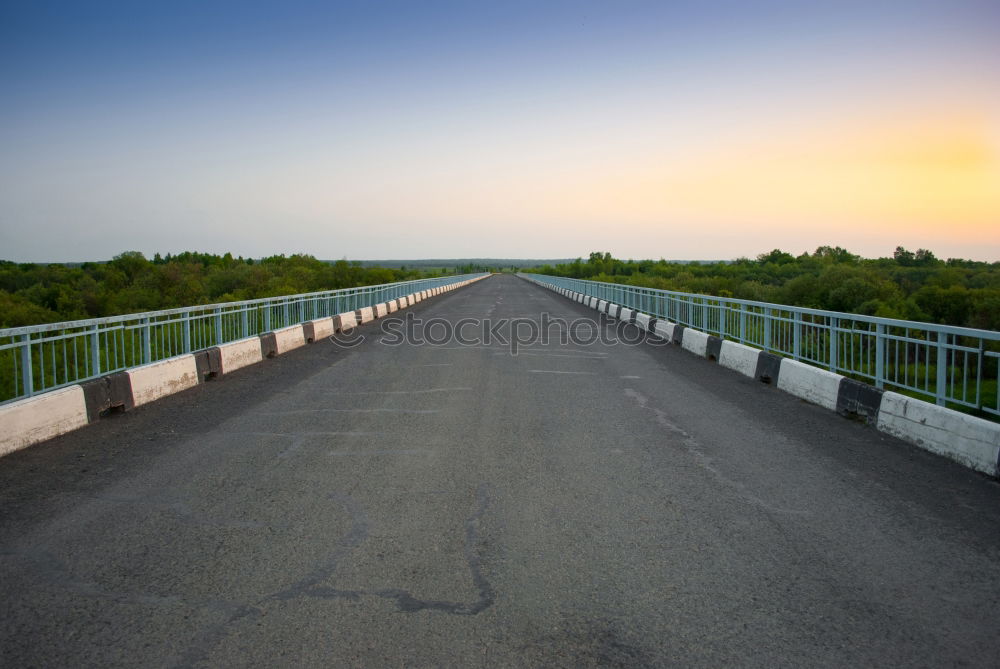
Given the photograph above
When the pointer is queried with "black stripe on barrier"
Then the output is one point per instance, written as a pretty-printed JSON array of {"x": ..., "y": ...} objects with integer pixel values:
[
  {"x": 768, "y": 367},
  {"x": 678, "y": 337},
  {"x": 106, "y": 394},
  {"x": 855, "y": 398},
  {"x": 309, "y": 332},
  {"x": 614, "y": 310},
  {"x": 714, "y": 348},
  {"x": 268, "y": 345},
  {"x": 208, "y": 362}
]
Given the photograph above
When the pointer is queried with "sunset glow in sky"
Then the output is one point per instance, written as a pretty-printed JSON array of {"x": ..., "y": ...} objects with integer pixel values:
[{"x": 514, "y": 129}]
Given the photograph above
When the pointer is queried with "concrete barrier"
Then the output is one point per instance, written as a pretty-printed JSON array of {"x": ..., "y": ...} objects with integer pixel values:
[
  {"x": 739, "y": 358},
  {"x": 238, "y": 354},
  {"x": 972, "y": 441},
  {"x": 36, "y": 419},
  {"x": 602, "y": 306},
  {"x": 809, "y": 383},
  {"x": 381, "y": 310},
  {"x": 695, "y": 341},
  {"x": 642, "y": 320},
  {"x": 345, "y": 321},
  {"x": 664, "y": 329},
  {"x": 109, "y": 392},
  {"x": 287, "y": 339},
  {"x": 392, "y": 306},
  {"x": 365, "y": 315},
  {"x": 322, "y": 328},
  {"x": 166, "y": 377}
]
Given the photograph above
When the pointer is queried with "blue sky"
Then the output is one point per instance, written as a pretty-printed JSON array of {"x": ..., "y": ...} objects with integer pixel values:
[{"x": 498, "y": 129}]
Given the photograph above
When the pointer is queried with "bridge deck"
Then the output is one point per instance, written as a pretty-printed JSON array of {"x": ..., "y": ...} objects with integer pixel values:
[{"x": 456, "y": 505}]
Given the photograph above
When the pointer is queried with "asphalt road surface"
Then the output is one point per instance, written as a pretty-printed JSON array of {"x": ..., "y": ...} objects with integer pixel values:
[{"x": 455, "y": 505}]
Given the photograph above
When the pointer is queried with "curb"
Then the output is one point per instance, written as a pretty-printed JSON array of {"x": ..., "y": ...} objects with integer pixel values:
[
  {"x": 968, "y": 440},
  {"x": 35, "y": 419}
]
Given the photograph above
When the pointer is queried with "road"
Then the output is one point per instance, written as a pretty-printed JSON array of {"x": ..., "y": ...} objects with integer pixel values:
[{"x": 455, "y": 505}]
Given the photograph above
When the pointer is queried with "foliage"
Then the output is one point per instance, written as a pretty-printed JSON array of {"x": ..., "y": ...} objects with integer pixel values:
[
  {"x": 130, "y": 283},
  {"x": 910, "y": 285}
]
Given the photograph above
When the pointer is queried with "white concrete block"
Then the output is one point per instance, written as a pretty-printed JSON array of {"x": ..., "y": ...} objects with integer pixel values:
[
  {"x": 664, "y": 329},
  {"x": 602, "y": 306},
  {"x": 739, "y": 358},
  {"x": 240, "y": 353},
  {"x": 642, "y": 320},
  {"x": 381, "y": 310},
  {"x": 367, "y": 314},
  {"x": 592, "y": 302},
  {"x": 166, "y": 377},
  {"x": 696, "y": 342},
  {"x": 392, "y": 306},
  {"x": 346, "y": 320},
  {"x": 972, "y": 441},
  {"x": 289, "y": 338},
  {"x": 625, "y": 314},
  {"x": 42, "y": 417},
  {"x": 812, "y": 384},
  {"x": 322, "y": 328}
]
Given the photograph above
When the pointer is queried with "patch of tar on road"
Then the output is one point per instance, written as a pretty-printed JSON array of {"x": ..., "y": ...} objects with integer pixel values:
[
  {"x": 405, "y": 601},
  {"x": 704, "y": 460}
]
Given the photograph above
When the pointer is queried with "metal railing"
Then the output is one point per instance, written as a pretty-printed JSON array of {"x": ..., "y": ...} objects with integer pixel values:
[
  {"x": 953, "y": 365},
  {"x": 39, "y": 358}
]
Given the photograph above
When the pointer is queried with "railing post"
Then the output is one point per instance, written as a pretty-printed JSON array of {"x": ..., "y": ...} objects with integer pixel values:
[
  {"x": 979, "y": 373},
  {"x": 95, "y": 350},
  {"x": 743, "y": 323},
  {"x": 767, "y": 329},
  {"x": 797, "y": 335},
  {"x": 879, "y": 355},
  {"x": 942, "y": 368},
  {"x": 834, "y": 324},
  {"x": 187, "y": 332},
  {"x": 244, "y": 322},
  {"x": 27, "y": 377},
  {"x": 267, "y": 316},
  {"x": 218, "y": 326},
  {"x": 147, "y": 349}
]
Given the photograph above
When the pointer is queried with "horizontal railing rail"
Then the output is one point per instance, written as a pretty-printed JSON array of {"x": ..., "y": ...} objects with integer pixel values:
[
  {"x": 39, "y": 358},
  {"x": 952, "y": 365}
]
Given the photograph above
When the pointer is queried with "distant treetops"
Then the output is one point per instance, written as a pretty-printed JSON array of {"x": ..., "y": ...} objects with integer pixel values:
[{"x": 37, "y": 293}]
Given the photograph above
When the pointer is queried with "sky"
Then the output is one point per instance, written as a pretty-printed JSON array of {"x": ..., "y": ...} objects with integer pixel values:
[{"x": 702, "y": 130}]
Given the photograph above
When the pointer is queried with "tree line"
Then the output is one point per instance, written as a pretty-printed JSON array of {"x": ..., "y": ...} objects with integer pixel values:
[
  {"x": 911, "y": 285},
  {"x": 44, "y": 293}
]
